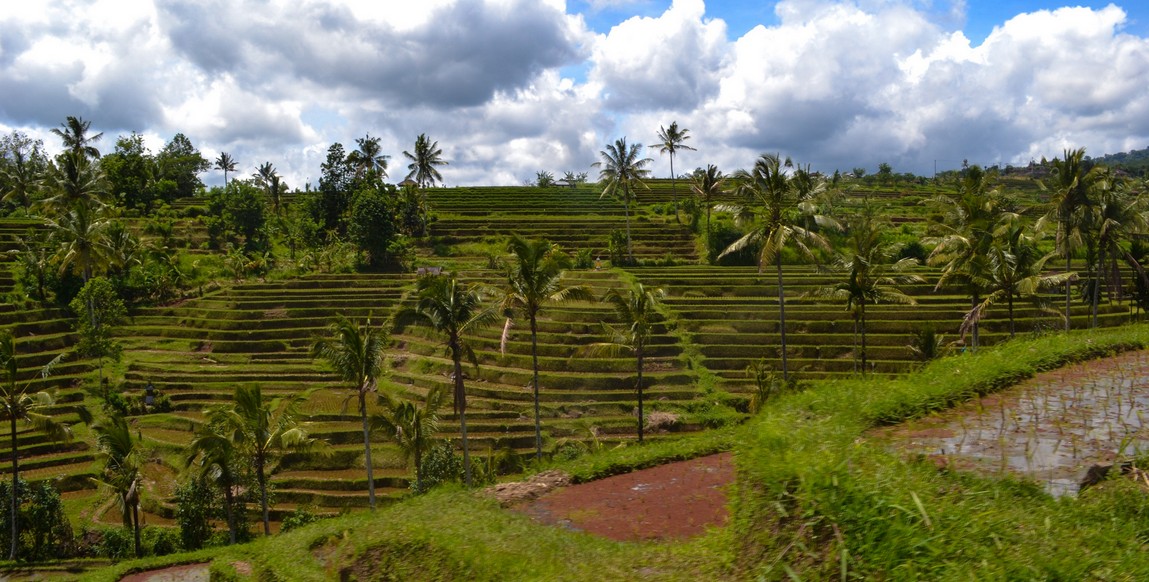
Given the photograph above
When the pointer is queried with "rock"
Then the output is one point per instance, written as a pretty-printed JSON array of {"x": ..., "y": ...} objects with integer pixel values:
[{"x": 508, "y": 494}]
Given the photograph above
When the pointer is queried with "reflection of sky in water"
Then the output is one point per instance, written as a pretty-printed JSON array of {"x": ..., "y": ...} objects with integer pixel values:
[{"x": 1055, "y": 426}]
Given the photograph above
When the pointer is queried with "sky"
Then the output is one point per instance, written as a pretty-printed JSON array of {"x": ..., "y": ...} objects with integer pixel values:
[{"x": 512, "y": 87}]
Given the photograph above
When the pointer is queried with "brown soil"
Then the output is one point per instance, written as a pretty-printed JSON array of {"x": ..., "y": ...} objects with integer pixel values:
[
  {"x": 184, "y": 573},
  {"x": 672, "y": 501}
]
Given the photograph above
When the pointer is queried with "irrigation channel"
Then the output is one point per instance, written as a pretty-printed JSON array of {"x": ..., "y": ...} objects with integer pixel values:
[{"x": 1051, "y": 428}]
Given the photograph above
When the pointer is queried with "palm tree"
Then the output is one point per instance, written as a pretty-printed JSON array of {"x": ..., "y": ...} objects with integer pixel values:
[
  {"x": 1119, "y": 213},
  {"x": 21, "y": 405},
  {"x": 76, "y": 139},
  {"x": 870, "y": 277},
  {"x": 422, "y": 167},
  {"x": 622, "y": 170},
  {"x": 225, "y": 163},
  {"x": 1070, "y": 196},
  {"x": 73, "y": 180},
  {"x": 264, "y": 431},
  {"x": 412, "y": 427},
  {"x": 267, "y": 176},
  {"x": 637, "y": 312},
  {"x": 1015, "y": 269},
  {"x": 534, "y": 278},
  {"x": 706, "y": 185},
  {"x": 356, "y": 354},
  {"x": 217, "y": 457},
  {"x": 671, "y": 141},
  {"x": 22, "y": 178},
  {"x": 971, "y": 213},
  {"x": 768, "y": 192},
  {"x": 81, "y": 235},
  {"x": 368, "y": 157},
  {"x": 455, "y": 310},
  {"x": 122, "y": 465}
]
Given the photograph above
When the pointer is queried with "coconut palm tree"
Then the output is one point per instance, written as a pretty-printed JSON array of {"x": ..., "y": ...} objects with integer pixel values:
[
  {"x": 412, "y": 427},
  {"x": 870, "y": 277},
  {"x": 1015, "y": 269},
  {"x": 76, "y": 139},
  {"x": 1119, "y": 213},
  {"x": 269, "y": 178},
  {"x": 225, "y": 163},
  {"x": 769, "y": 198},
  {"x": 637, "y": 312},
  {"x": 216, "y": 458},
  {"x": 368, "y": 157},
  {"x": 264, "y": 431},
  {"x": 455, "y": 310},
  {"x": 671, "y": 141},
  {"x": 19, "y": 404},
  {"x": 23, "y": 179},
  {"x": 122, "y": 468},
  {"x": 81, "y": 235},
  {"x": 1073, "y": 180},
  {"x": 970, "y": 215},
  {"x": 534, "y": 279},
  {"x": 423, "y": 162},
  {"x": 706, "y": 185},
  {"x": 622, "y": 170},
  {"x": 72, "y": 181},
  {"x": 356, "y": 354}
]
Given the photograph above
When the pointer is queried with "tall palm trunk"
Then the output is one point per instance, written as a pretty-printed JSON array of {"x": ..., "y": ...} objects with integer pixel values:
[
  {"x": 626, "y": 211},
  {"x": 641, "y": 423},
  {"x": 461, "y": 408},
  {"x": 229, "y": 501},
  {"x": 1096, "y": 295},
  {"x": 1068, "y": 266},
  {"x": 1009, "y": 303},
  {"x": 15, "y": 498},
  {"x": 262, "y": 481},
  {"x": 535, "y": 385},
  {"x": 862, "y": 310},
  {"x": 674, "y": 189},
  {"x": 367, "y": 447},
  {"x": 136, "y": 526},
  {"x": 782, "y": 319},
  {"x": 976, "y": 333}
]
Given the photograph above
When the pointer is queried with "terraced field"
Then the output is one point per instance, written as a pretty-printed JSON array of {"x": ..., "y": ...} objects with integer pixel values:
[{"x": 718, "y": 321}]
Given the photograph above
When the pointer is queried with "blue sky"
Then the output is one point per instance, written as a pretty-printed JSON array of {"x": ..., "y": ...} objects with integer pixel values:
[{"x": 512, "y": 87}]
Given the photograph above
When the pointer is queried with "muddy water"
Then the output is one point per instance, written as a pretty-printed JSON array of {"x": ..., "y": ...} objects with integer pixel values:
[{"x": 1051, "y": 428}]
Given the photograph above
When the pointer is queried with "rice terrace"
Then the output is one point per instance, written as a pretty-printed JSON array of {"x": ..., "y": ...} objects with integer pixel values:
[{"x": 844, "y": 375}]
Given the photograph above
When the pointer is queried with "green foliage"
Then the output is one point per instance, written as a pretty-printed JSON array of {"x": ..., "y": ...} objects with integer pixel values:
[
  {"x": 45, "y": 532},
  {"x": 441, "y": 465},
  {"x": 178, "y": 166},
  {"x": 373, "y": 226},
  {"x": 99, "y": 310},
  {"x": 237, "y": 215},
  {"x": 544, "y": 179},
  {"x": 617, "y": 249},
  {"x": 197, "y": 504},
  {"x": 296, "y": 519}
]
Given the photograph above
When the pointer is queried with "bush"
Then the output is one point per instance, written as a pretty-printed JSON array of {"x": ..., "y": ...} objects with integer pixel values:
[
  {"x": 441, "y": 465},
  {"x": 298, "y": 518},
  {"x": 44, "y": 528},
  {"x": 197, "y": 503}
]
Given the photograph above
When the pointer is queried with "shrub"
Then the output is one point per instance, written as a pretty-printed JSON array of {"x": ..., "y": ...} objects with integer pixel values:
[
  {"x": 441, "y": 465},
  {"x": 196, "y": 504},
  {"x": 298, "y": 518}
]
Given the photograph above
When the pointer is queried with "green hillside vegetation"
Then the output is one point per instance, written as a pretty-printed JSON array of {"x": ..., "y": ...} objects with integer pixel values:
[{"x": 230, "y": 289}]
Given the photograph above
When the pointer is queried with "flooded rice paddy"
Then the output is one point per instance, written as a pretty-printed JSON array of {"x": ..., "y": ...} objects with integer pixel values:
[{"x": 1050, "y": 428}]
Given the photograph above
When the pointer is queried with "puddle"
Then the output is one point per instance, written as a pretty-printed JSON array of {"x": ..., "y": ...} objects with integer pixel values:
[{"x": 1050, "y": 428}]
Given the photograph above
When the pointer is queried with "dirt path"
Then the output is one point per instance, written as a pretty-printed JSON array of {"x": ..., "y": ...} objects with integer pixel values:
[
  {"x": 184, "y": 573},
  {"x": 671, "y": 501}
]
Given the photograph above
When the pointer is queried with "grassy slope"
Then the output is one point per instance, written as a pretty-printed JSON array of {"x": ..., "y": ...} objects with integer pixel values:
[{"x": 813, "y": 501}]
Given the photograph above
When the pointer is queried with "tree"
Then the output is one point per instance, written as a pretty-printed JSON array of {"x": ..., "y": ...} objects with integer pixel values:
[
  {"x": 225, "y": 163},
  {"x": 423, "y": 162},
  {"x": 23, "y": 168},
  {"x": 121, "y": 472},
  {"x": 707, "y": 184},
  {"x": 104, "y": 310},
  {"x": 22, "y": 405},
  {"x": 1118, "y": 214},
  {"x": 373, "y": 226},
  {"x": 264, "y": 431},
  {"x": 72, "y": 181},
  {"x": 534, "y": 279},
  {"x": 130, "y": 172},
  {"x": 178, "y": 166},
  {"x": 970, "y": 215},
  {"x": 237, "y": 215},
  {"x": 356, "y": 354},
  {"x": 671, "y": 141},
  {"x": 76, "y": 139},
  {"x": 769, "y": 197},
  {"x": 336, "y": 184},
  {"x": 622, "y": 170},
  {"x": 1069, "y": 197},
  {"x": 455, "y": 310},
  {"x": 870, "y": 278},
  {"x": 1016, "y": 269},
  {"x": 412, "y": 427},
  {"x": 217, "y": 458},
  {"x": 267, "y": 177},
  {"x": 368, "y": 158},
  {"x": 637, "y": 313},
  {"x": 80, "y": 234}
]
